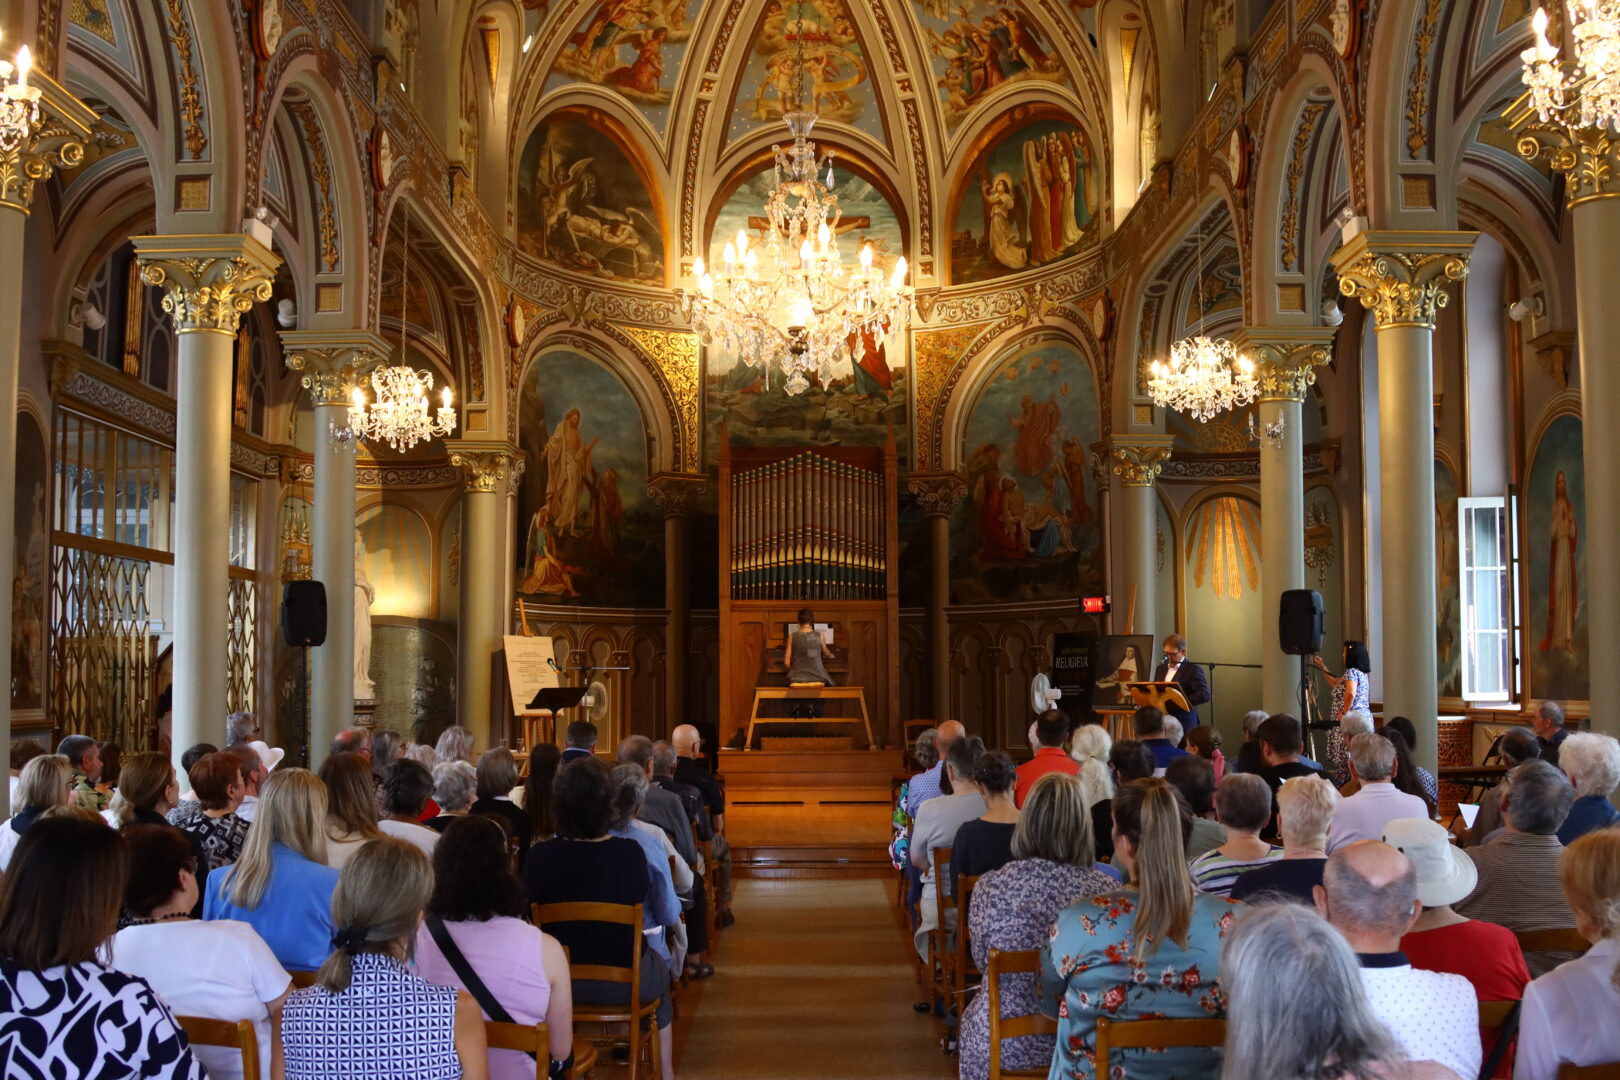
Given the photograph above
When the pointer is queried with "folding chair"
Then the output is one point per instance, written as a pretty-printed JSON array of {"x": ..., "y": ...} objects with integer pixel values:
[
  {"x": 202, "y": 1031},
  {"x": 1019, "y": 962},
  {"x": 640, "y": 1020},
  {"x": 1154, "y": 1034}
]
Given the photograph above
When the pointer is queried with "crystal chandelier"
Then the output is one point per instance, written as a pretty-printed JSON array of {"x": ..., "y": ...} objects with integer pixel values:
[
  {"x": 789, "y": 300},
  {"x": 1204, "y": 376},
  {"x": 19, "y": 102},
  {"x": 1595, "y": 77},
  {"x": 399, "y": 414}
]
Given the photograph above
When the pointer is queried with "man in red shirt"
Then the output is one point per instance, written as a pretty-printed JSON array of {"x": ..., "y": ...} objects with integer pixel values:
[{"x": 1047, "y": 735}]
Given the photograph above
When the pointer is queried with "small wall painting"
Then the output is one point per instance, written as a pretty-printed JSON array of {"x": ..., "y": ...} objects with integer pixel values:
[
  {"x": 1555, "y": 542},
  {"x": 28, "y": 577}
]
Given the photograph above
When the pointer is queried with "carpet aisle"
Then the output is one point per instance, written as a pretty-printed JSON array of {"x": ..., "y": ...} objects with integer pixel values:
[{"x": 814, "y": 981}]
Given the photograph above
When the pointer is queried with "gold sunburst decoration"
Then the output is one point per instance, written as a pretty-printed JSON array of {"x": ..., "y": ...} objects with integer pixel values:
[{"x": 1223, "y": 546}]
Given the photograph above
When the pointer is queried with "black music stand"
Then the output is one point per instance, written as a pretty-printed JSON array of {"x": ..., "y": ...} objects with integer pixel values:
[{"x": 551, "y": 700}]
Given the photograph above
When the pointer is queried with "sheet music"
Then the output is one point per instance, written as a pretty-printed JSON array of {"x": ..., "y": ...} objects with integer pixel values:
[{"x": 529, "y": 669}]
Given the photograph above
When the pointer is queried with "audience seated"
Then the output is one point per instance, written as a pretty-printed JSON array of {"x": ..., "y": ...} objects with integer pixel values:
[
  {"x": 497, "y": 775},
  {"x": 220, "y": 969},
  {"x": 659, "y": 812},
  {"x": 1248, "y": 756},
  {"x": 1013, "y": 906},
  {"x": 455, "y": 783},
  {"x": 1518, "y": 868},
  {"x": 349, "y": 1022},
  {"x": 1296, "y": 1006},
  {"x": 1195, "y": 779},
  {"x": 1090, "y": 746},
  {"x": 1409, "y": 776},
  {"x": 1354, "y": 722},
  {"x": 22, "y": 752},
  {"x": 1243, "y": 807},
  {"x": 84, "y": 755},
  {"x": 1047, "y": 734},
  {"x": 692, "y": 770},
  {"x": 255, "y": 772},
  {"x": 218, "y": 831},
  {"x": 985, "y": 843},
  {"x": 1174, "y": 733},
  {"x": 188, "y": 798},
  {"x": 477, "y": 936},
  {"x": 67, "y": 1014},
  {"x": 664, "y": 807},
  {"x": 281, "y": 885},
  {"x": 1369, "y": 894},
  {"x": 355, "y": 740},
  {"x": 544, "y": 761},
  {"x": 937, "y": 821},
  {"x": 387, "y": 747},
  {"x": 581, "y": 739},
  {"x": 455, "y": 744},
  {"x": 351, "y": 807},
  {"x": 926, "y": 757},
  {"x": 1128, "y": 760},
  {"x": 1377, "y": 801},
  {"x": 1548, "y": 724},
  {"x": 1305, "y": 807},
  {"x": 46, "y": 782},
  {"x": 584, "y": 862},
  {"x": 406, "y": 788},
  {"x": 1569, "y": 1013},
  {"x": 1515, "y": 747},
  {"x": 1592, "y": 763},
  {"x": 1159, "y": 923},
  {"x": 1203, "y": 742},
  {"x": 1148, "y": 723},
  {"x": 661, "y": 911},
  {"x": 1280, "y": 745},
  {"x": 928, "y": 784}
]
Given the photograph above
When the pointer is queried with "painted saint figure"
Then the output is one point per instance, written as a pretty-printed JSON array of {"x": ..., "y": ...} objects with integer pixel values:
[
  {"x": 547, "y": 572},
  {"x": 364, "y": 596},
  {"x": 1036, "y": 425},
  {"x": 1561, "y": 584},
  {"x": 568, "y": 469},
  {"x": 1002, "y": 212}
]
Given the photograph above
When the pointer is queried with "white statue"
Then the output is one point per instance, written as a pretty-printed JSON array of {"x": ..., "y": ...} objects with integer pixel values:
[{"x": 364, "y": 596}]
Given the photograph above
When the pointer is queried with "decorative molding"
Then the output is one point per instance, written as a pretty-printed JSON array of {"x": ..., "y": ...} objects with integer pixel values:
[
  {"x": 1207, "y": 468},
  {"x": 483, "y": 465},
  {"x": 1286, "y": 359},
  {"x": 674, "y": 493},
  {"x": 673, "y": 356},
  {"x": 1553, "y": 353},
  {"x": 209, "y": 282},
  {"x": 935, "y": 360},
  {"x": 938, "y": 493},
  {"x": 1292, "y": 209},
  {"x": 189, "y": 101},
  {"x": 1139, "y": 460},
  {"x": 1401, "y": 276},
  {"x": 332, "y": 362},
  {"x": 1589, "y": 158},
  {"x": 248, "y": 459},
  {"x": 58, "y": 143},
  {"x": 1417, "y": 81},
  {"x": 138, "y": 413},
  {"x": 320, "y": 171}
]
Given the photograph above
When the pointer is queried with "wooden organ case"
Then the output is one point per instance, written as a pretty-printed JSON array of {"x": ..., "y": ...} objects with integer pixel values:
[{"x": 816, "y": 528}]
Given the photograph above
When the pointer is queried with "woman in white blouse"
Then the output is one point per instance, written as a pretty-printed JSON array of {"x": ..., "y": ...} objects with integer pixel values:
[{"x": 1568, "y": 1014}]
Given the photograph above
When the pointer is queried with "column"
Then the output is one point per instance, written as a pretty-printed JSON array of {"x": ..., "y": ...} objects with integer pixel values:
[
  {"x": 1401, "y": 278},
  {"x": 674, "y": 493},
  {"x": 332, "y": 362},
  {"x": 1286, "y": 361},
  {"x": 25, "y": 158},
  {"x": 1138, "y": 460},
  {"x": 485, "y": 467},
  {"x": 208, "y": 283},
  {"x": 938, "y": 495}
]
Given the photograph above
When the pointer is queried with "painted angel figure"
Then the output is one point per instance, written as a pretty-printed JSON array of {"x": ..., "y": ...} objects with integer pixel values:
[{"x": 1004, "y": 221}]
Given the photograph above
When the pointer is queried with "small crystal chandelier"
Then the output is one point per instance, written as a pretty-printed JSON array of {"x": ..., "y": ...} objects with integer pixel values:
[
  {"x": 399, "y": 416},
  {"x": 1204, "y": 376},
  {"x": 19, "y": 102},
  {"x": 790, "y": 300},
  {"x": 1595, "y": 78}
]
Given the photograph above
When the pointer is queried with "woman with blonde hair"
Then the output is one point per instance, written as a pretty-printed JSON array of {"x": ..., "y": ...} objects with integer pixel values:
[
  {"x": 147, "y": 791},
  {"x": 46, "y": 782},
  {"x": 1568, "y": 1014},
  {"x": 281, "y": 885},
  {"x": 1159, "y": 925},
  {"x": 1305, "y": 808},
  {"x": 351, "y": 811},
  {"x": 1089, "y": 745},
  {"x": 348, "y": 1023}
]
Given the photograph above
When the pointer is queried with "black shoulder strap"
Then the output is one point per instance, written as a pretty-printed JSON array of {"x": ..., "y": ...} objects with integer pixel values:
[
  {"x": 469, "y": 978},
  {"x": 1504, "y": 1039}
]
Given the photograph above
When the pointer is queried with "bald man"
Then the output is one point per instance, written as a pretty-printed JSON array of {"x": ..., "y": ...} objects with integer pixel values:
[
  {"x": 1369, "y": 894},
  {"x": 929, "y": 784},
  {"x": 689, "y": 769}
]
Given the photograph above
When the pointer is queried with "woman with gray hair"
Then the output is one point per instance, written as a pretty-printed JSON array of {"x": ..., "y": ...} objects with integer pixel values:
[
  {"x": 1243, "y": 807},
  {"x": 455, "y": 783},
  {"x": 1090, "y": 746},
  {"x": 1248, "y": 755},
  {"x": 927, "y": 756},
  {"x": 1305, "y": 808},
  {"x": 661, "y": 914},
  {"x": 455, "y": 744},
  {"x": 1592, "y": 763},
  {"x": 497, "y": 776}
]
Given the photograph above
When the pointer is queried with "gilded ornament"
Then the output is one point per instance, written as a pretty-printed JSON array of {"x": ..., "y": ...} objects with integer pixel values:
[
  {"x": 191, "y": 106},
  {"x": 1589, "y": 158},
  {"x": 1137, "y": 464},
  {"x": 320, "y": 171},
  {"x": 1401, "y": 277},
  {"x": 1417, "y": 84},
  {"x": 54, "y": 145},
  {"x": 484, "y": 465},
  {"x": 1291, "y": 213},
  {"x": 209, "y": 282},
  {"x": 938, "y": 494},
  {"x": 674, "y": 493},
  {"x": 674, "y": 357},
  {"x": 332, "y": 364}
]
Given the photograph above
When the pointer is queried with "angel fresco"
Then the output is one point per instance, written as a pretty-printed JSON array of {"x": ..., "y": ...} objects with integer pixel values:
[
  {"x": 833, "y": 68},
  {"x": 622, "y": 44},
  {"x": 979, "y": 49},
  {"x": 577, "y": 232},
  {"x": 1035, "y": 204}
]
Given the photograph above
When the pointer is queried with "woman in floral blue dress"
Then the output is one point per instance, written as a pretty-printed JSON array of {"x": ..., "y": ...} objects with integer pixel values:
[
  {"x": 1149, "y": 951},
  {"x": 1350, "y": 691}
]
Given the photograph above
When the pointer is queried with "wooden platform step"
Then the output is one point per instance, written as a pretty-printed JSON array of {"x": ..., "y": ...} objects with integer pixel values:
[{"x": 784, "y": 861}]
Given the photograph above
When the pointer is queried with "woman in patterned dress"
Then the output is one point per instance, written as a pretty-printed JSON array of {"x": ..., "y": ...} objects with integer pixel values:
[{"x": 1349, "y": 692}]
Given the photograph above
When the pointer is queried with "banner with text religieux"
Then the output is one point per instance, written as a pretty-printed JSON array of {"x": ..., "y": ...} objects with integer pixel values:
[{"x": 530, "y": 668}]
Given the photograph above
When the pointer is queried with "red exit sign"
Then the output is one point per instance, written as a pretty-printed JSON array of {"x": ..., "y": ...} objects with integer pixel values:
[{"x": 1096, "y": 605}]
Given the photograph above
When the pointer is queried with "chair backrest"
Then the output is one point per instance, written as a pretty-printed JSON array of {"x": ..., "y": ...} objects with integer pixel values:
[
  {"x": 942, "y": 868},
  {"x": 964, "y": 901},
  {"x": 628, "y": 915},
  {"x": 527, "y": 1038},
  {"x": 202, "y": 1031},
  {"x": 1609, "y": 1071},
  {"x": 1493, "y": 1014},
  {"x": 1154, "y": 1034},
  {"x": 1564, "y": 940},
  {"x": 302, "y": 980},
  {"x": 1020, "y": 962}
]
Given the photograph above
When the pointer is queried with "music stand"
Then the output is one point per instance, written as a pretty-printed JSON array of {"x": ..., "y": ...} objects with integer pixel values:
[{"x": 548, "y": 702}]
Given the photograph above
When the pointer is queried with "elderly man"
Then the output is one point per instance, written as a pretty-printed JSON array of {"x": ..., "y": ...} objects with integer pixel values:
[
  {"x": 689, "y": 769},
  {"x": 254, "y": 773},
  {"x": 1515, "y": 747},
  {"x": 1369, "y": 894},
  {"x": 936, "y": 825},
  {"x": 661, "y": 807},
  {"x": 354, "y": 740},
  {"x": 84, "y": 757},
  {"x": 240, "y": 727},
  {"x": 1592, "y": 763},
  {"x": 1548, "y": 724},
  {"x": 1046, "y": 737},
  {"x": 926, "y": 785},
  {"x": 581, "y": 741},
  {"x": 1518, "y": 867},
  {"x": 1377, "y": 802}
]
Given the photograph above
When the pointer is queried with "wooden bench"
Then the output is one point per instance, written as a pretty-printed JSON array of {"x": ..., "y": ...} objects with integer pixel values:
[{"x": 809, "y": 693}]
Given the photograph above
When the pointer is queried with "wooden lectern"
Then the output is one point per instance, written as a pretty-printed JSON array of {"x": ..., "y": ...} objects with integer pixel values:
[{"x": 1159, "y": 695}]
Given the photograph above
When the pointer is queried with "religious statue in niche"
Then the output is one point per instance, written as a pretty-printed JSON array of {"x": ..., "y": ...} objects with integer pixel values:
[
  {"x": 1035, "y": 203},
  {"x": 1561, "y": 581},
  {"x": 364, "y": 596}
]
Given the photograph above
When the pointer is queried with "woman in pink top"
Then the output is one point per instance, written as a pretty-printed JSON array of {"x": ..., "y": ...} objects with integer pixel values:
[{"x": 477, "y": 907}]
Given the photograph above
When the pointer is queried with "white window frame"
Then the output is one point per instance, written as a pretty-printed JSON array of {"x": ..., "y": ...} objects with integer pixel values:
[{"x": 1502, "y": 635}]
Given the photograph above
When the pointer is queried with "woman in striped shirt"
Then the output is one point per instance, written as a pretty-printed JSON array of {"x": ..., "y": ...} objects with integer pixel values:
[{"x": 1243, "y": 806}]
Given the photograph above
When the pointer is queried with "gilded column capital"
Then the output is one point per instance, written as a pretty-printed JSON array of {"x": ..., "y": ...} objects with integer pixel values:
[
  {"x": 1286, "y": 359},
  {"x": 938, "y": 493},
  {"x": 675, "y": 492},
  {"x": 331, "y": 362},
  {"x": 1589, "y": 157},
  {"x": 1401, "y": 275},
  {"x": 484, "y": 465},
  {"x": 209, "y": 282},
  {"x": 1139, "y": 459},
  {"x": 56, "y": 141}
]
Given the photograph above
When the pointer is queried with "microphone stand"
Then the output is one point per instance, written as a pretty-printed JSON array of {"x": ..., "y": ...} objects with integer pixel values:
[{"x": 1210, "y": 667}]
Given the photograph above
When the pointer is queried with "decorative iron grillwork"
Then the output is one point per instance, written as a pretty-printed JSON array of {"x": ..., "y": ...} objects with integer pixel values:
[
  {"x": 101, "y": 650},
  {"x": 242, "y": 679}
]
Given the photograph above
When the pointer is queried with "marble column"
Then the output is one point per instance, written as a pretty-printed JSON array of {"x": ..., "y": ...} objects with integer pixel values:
[
  {"x": 674, "y": 493},
  {"x": 485, "y": 467},
  {"x": 1286, "y": 361},
  {"x": 57, "y": 142},
  {"x": 938, "y": 495},
  {"x": 1138, "y": 460},
  {"x": 1401, "y": 277},
  {"x": 331, "y": 362},
  {"x": 208, "y": 283}
]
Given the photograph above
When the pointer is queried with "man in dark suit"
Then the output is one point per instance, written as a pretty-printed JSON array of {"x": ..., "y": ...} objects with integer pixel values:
[{"x": 1189, "y": 677}]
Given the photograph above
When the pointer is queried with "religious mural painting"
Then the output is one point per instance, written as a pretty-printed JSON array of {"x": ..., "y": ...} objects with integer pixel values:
[
  {"x": 867, "y": 392},
  {"x": 1030, "y": 199},
  {"x": 582, "y": 204},
  {"x": 1447, "y": 587},
  {"x": 1555, "y": 550},
  {"x": 28, "y": 577},
  {"x": 631, "y": 47},
  {"x": 1029, "y": 528},
  {"x": 817, "y": 37},
  {"x": 590, "y": 534},
  {"x": 979, "y": 49},
  {"x": 1323, "y": 568}
]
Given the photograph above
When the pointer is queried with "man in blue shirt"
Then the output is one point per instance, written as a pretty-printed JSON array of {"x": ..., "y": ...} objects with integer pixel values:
[{"x": 1149, "y": 723}]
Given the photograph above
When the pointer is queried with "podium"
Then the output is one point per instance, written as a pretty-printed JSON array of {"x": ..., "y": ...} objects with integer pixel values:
[
  {"x": 1159, "y": 695},
  {"x": 547, "y": 703}
]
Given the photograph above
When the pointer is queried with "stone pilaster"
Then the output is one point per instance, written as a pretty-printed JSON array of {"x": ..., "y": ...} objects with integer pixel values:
[
  {"x": 1137, "y": 462},
  {"x": 485, "y": 467},
  {"x": 675, "y": 494},
  {"x": 938, "y": 495}
]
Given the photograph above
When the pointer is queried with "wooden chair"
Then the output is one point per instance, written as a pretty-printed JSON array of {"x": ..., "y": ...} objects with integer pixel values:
[
  {"x": 1156, "y": 1034},
  {"x": 1493, "y": 1014},
  {"x": 1021, "y": 962},
  {"x": 536, "y": 1039},
  {"x": 1566, "y": 940},
  {"x": 202, "y": 1031},
  {"x": 941, "y": 957},
  {"x": 962, "y": 962},
  {"x": 640, "y": 1020},
  {"x": 1609, "y": 1071},
  {"x": 302, "y": 980}
]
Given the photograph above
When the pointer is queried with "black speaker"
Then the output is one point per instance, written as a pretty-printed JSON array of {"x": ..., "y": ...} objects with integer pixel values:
[
  {"x": 303, "y": 613},
  {"x": 1299, "y": 623}
]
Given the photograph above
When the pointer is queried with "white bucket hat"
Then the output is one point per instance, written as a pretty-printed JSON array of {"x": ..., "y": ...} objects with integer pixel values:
[
  {"x": 270, "y": 755},
  {"x": 1444, "y": 874}
]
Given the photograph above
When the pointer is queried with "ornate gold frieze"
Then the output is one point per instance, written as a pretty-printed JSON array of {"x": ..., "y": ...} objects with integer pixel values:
[
  {"x": 938, "y": 493},
  {"x": 674, "y": 493},
  {"x": 674, "y": 357},
  {"x": 935, "y": 363},
  {"x": 208, "y": 281},
  {"x": 57, "y": 143},
  {"x": 332, "y": 362},
  {"x": 1417, "y": 82},
  {"x": 191, "y": 106},
  {"x": 1401, "y": 276},
  {"x": 484, "y": 465},
  {"x": 1138, "y": 461},
  {"x": 1589, "y": 158}
]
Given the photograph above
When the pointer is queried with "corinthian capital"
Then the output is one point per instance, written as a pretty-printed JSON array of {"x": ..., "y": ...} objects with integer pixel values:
[
  {"x": 208, "y": 282},
  {"x": 42, "y": 142},
  {"x": 1400, "y": 275},
  {"x": 484, "y": 465},
  {"x": 676, "y": 492},
  {"x": 332, "y": 361},
  {"x": 938, "y": 493},
  {"x": 1286, "y": 358},
  {"x": 1139, "y": 459}
]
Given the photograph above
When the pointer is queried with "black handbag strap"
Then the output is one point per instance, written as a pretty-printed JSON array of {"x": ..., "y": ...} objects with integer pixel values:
[
  {"x": 1504, "y": 1037},
  {"x": 469, "y": 978}
]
